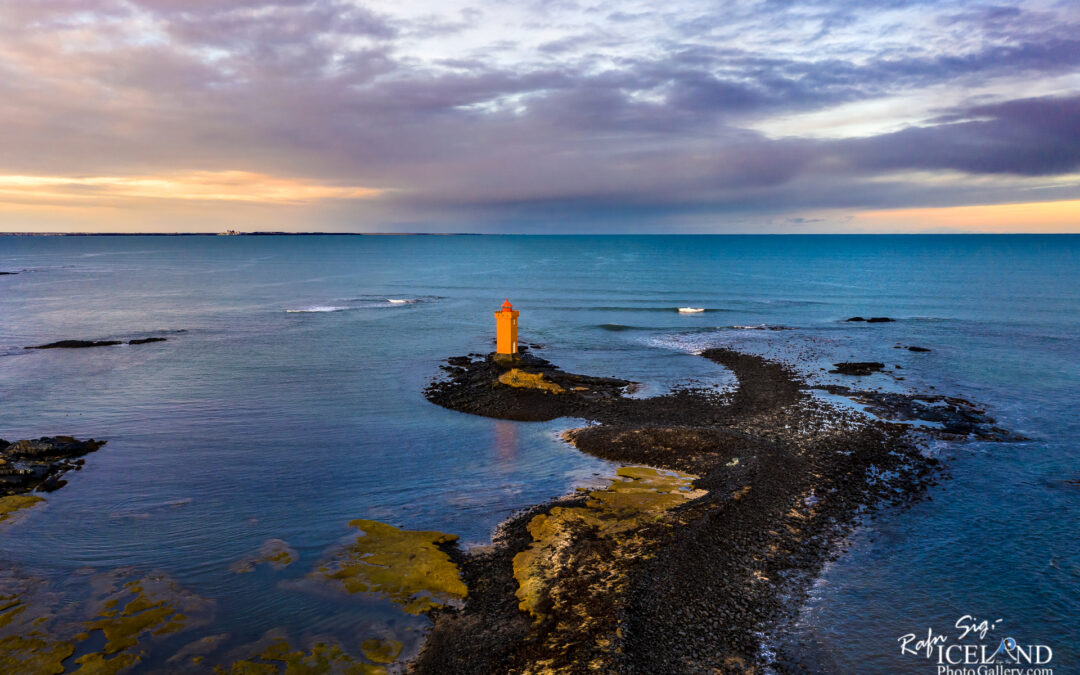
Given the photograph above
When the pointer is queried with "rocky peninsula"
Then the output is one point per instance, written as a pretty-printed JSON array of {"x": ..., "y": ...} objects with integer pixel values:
[{"x": 693, "y": 555}]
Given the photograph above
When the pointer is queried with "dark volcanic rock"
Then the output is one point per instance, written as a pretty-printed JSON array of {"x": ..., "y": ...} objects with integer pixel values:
[
  {"x": 77, "y": 344},
  {"x": 7, "y": 273},
  {"x": 785, "y": 476},
  {"x": 858, "y": 367},
  {"x": 913, "y": 348},
  {"x": 955, "y": 416},
  {"x": 38, "y": 464},
  {"x": 873, "y": 319},
  {"x": 82, "y": 344}
]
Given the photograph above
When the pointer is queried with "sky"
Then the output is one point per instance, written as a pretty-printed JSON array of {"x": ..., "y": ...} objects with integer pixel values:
[{"x": 540, "y": 116}]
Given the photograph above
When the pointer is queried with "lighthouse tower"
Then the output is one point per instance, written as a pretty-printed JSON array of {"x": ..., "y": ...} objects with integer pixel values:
[{"x": 506, "y": 330}]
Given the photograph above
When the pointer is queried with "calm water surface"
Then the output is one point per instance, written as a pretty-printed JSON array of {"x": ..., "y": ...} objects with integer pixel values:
[{"x": 291, "y": 403}]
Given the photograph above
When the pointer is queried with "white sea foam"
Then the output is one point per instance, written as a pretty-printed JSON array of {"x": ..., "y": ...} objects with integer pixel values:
[
  {"x": 316, "y": 309},
  {"x": 405, "y": 301},
  {"x": 688, "y": 344}
]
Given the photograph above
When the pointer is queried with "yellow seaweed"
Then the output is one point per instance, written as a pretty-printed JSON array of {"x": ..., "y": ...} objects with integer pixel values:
[
  {"x": 12, "y": 503},
  {"x": 406, "y": 566},
  {"x": 638, "y": 495},
  {"x": 381, "y": 651},
  {"x": 275, "y": 552},
  {"x": 322, "y": 659},
  {"x": 34, "y": 654},
  {"x": 516, "y": 377},
  {"x": 142, "y": 615}
]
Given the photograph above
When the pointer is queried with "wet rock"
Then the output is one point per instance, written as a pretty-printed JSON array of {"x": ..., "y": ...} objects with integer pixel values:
[
  {"x": 83, "y": 344},
  {"x": 275, "y": 552},
  {"x": 859, "y": 368},
  {"x": 51, "y": 447},
  {"x": 953, "y": 416},
  {"x": 77, "y": 344},
  {"x": 38, "y": 464},
  {"x": 913, "y": 348},
  {"x": 873, "y": 319}
]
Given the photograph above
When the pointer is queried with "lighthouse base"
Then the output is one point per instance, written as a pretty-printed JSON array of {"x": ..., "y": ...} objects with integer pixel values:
[{"x": 507, "y": 359}]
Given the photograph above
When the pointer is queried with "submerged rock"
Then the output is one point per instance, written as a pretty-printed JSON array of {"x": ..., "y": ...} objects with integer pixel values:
[
  {"x": 11, "y": 504},
  {"x": 77, "y": 344},
  {"x": 275, "y": 552},
  {"x": 83, "y": 344},
  {"x": 323, "y": 658},
  {"x": 381, "y": 651},
  {"x": 873, "y": 319},
  {"x": 858, "y": 367},
  {"x": 406, "y": 566},
  {"x": 38, "y": 632}
]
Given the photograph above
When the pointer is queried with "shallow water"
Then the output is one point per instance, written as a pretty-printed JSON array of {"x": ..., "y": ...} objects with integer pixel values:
[{"x": 292, "y": 403}]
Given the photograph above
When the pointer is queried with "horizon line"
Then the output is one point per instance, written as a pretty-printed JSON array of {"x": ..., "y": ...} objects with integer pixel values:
[{"x": 524, "y": 234}]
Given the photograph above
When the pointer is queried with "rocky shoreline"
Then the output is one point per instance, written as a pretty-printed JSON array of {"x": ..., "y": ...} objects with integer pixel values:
[
  {"x": 778, "y": 477},
  {"x": 39, "y": 464}
]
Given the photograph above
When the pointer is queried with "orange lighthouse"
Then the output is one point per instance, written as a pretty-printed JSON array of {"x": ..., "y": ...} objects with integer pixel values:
[{"x": 506, "y": 330}]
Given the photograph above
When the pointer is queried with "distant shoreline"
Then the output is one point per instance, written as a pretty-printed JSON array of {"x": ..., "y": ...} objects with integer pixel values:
[
  {"x": 238, "y": 234},
  {"x": 540, "y": 234}
]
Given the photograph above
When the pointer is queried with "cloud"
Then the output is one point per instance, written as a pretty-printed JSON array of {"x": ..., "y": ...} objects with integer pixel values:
[
  {"x": 1029, "y": 137},
  {"x": 195, "y": 186},
  {"x": 628, "y": 113}
]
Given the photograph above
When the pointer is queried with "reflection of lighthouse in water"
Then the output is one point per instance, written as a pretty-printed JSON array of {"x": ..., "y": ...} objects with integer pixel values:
[{"x": 506, "y": 440}]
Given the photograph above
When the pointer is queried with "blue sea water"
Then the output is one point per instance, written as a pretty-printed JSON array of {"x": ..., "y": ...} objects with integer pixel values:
[{"x": 288, "y": 401}]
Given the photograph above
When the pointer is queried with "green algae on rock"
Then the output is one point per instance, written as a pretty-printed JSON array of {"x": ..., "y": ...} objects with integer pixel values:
[
  {"x": 34, "y": 653},
  {"x": 407, "y": 566},
  {"x": 381, "y": 651},
  {"x": 10, "y": 504},
  {"x": 322, "y": 658},
  {"x": 638, "y": 496},
  {"x": 38, "y": 632},
  {"x": 275, "y": 552}
]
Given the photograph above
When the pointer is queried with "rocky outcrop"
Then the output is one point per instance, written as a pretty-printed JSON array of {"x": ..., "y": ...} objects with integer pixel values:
[
  {"x": 77, "y": 344},
  {"x": 39, "y": 464},
  {"x": 859, "y": 368},
  {"x": 83, "y": 344}
]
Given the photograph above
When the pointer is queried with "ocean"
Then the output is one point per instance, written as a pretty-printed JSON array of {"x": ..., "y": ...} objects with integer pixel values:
[{"x": 288, "y": 401}]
